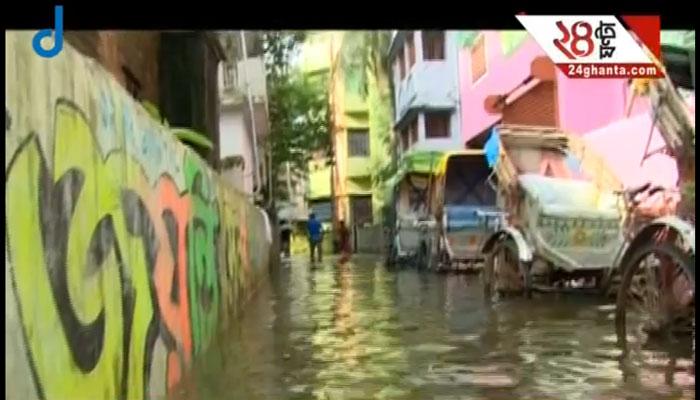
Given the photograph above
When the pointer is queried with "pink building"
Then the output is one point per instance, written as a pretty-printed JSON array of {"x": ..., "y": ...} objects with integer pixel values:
[{"x": 505, "y": 76}]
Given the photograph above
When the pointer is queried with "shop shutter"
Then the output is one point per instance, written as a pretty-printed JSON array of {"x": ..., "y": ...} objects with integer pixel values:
[{"x": 537, "y": 107}]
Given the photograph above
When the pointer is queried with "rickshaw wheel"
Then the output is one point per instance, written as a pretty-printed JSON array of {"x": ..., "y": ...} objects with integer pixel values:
[
  {"x": 427, "y": 259},
  {"x": 443, "y": 259},
  {"x": 392, "y": 257},
  {"x": 444, "y": 262},
  {"x": 659, "y": 295},
  {"x": 504, "y": 274},
  {"x": 609, "y": 284},
  {"x": 422, "y": 259}
]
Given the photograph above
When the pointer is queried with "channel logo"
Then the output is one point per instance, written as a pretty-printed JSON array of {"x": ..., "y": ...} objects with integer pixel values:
[{"x": 56, "y": 34}]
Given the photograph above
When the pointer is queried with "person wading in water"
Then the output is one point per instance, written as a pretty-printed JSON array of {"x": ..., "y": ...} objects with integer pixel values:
[
  {"x": 315, "y": 232},
  {"x": 286, "y": 237}
]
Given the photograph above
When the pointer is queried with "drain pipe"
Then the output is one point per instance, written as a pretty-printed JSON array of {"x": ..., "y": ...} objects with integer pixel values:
[{"x": 249, "y": 95}]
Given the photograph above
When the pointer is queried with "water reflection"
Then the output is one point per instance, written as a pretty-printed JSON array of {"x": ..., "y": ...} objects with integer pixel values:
[{"x": 357, "y": 331}]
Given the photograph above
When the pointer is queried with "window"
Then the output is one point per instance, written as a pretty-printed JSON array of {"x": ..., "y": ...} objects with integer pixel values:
[
  {"x": 402, "y": 65},
  {"x": 413, "y": 131},
  {"x": 437, "y": 124},
  {"x": 478, "y": 58},
  {"x": 434, "y": 45},
  {"x": 358, "y": 143},
  {"x": 410, "y": 50}
]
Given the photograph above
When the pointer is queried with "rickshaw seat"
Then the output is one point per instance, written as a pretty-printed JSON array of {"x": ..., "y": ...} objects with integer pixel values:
[
  {"x": 464, "y": 216},
  {"x": 569, "y": 198}
]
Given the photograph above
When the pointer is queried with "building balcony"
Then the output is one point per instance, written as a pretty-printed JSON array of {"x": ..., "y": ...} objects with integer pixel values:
[
  {"x": 429, "y": 84},
  {"x": 359, "y": 167}
]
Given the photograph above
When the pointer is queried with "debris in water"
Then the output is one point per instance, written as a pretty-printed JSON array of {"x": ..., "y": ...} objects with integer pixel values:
[{"x": 434, "y": 348}]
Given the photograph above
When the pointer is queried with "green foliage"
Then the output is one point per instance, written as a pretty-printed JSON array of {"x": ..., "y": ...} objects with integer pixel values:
[
  {"x": 298, "y": 119},
  {"x": 192, "y": 137},
  {"x": 298, "y": 107},
  {"x": 364, "y": 54}
]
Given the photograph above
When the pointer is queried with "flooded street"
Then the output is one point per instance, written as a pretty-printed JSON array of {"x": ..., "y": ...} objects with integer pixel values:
[{"x": 358, "y": 331}]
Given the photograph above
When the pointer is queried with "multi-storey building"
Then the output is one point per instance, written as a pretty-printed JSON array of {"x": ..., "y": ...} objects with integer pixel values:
[
  {"x": 505, "y": 77},
  {"x": 350, "y": 174},
  {"x": 425, "y": 73},
  {"x": 316, "y": 64}
]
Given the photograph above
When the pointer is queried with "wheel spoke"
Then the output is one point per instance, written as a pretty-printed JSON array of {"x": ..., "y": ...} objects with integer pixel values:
[{"x": 659, "y": 294}]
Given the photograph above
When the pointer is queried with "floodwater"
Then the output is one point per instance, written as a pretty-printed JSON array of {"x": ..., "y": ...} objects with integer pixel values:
[{"x": 359, "y": 331}]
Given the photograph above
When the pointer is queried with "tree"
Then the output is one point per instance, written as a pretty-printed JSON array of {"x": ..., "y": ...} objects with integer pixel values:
[{"x": 298, "y": 110}]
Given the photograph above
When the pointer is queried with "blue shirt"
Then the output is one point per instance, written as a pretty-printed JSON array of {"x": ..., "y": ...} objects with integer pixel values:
[{"x": 315, "y": 230}]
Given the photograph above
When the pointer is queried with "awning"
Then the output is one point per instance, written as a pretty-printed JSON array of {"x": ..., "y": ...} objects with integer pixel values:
[
  {"x": 441, "y": 168},
  {"x": 415, "y": 162},
  {"x": 193, "y": 137},
  {"x": 421, "y": 162},
  {"x": 542, "y": 69},
  {"x": 427, "y": 163}
]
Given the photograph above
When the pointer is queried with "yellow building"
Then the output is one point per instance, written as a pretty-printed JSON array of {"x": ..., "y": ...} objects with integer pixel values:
[{"x": 345, "y": 187}]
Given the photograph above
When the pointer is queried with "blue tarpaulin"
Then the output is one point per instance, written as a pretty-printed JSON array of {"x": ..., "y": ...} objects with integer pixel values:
[{"x": 491, "y": 148}]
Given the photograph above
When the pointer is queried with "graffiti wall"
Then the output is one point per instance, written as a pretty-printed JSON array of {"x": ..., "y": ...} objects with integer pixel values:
[{"x": 124, "y": 254}]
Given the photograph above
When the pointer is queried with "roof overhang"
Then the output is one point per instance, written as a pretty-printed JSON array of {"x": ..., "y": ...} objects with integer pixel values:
[{"x": 542, "y": 69}]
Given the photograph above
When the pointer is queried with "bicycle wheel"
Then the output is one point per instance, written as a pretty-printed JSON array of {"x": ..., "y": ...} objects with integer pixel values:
[
  {"x": 504, "y": 273},
  {"x": 656, "y": 297}
]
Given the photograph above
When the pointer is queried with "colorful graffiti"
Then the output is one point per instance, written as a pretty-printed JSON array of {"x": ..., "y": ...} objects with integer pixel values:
[{"x": 108, "y": 254}]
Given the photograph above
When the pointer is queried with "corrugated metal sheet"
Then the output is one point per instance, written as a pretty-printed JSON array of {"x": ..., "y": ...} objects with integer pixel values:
[{"x": 537, "y": 107}]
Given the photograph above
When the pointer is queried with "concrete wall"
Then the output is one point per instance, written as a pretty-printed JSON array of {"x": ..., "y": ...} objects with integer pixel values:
[
  {"x": 254, "y": 70},
  {"x": 124, "y": 253},
  {"x": 136, "y": 50},
  {"x": 368, "y": 239},
  {"x": 604, "y": 101},
  {"x": 253, "y": 73},
  {"x": 235, "y": 140}
]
